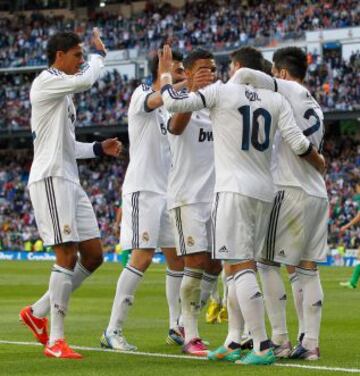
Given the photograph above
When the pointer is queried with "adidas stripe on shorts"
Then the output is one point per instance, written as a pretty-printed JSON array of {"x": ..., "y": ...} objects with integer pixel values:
[
  {"x": 192, "y": 228},
  {"x": 297, "y": 228},
  {"x": 146, "y": 222}
]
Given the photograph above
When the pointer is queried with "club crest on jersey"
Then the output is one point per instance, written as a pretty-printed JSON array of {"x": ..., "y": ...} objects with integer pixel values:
[
  {"x": 252, "y": 96},
  {"x": 67, "y": 230},
  {"x": 190, "y": 241},
  {"x": 145, "y": 236}
]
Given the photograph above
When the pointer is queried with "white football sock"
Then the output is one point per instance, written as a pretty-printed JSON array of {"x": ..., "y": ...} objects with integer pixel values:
[
  {"x": 60, "y": 289},
  {"x": 208, "y": 282},
  {"x": 225, "y": 289},
  {"x": 252, "y": 306},
  {"x": 41, "y": 308},
  {"x": 215, "y": 293},
  {"x": 235, "y": 317},
  {"x": 124, "y": 297},
  {"x": 275, "y": 301},
  {"x": 298, "y": 301},
  {"x": 173, "y": 283},
  {"x": 190, "y": 302},
  {"x": 313, "y": 298}
]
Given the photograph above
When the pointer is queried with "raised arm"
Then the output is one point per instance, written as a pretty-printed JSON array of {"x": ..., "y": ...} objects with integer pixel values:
[{"x": 56, "y": 84}]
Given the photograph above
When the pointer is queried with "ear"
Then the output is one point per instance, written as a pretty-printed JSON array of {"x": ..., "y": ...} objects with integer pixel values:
[
  {"x": 59, "y": 55},
  {"x": 283, "y": 74},
  {"x": 237, "y": 65}
]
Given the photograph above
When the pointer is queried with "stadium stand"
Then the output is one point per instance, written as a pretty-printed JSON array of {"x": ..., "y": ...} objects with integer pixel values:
[
  {"x": 333, "y": 82},
  {"x": 218, "y": 25}
]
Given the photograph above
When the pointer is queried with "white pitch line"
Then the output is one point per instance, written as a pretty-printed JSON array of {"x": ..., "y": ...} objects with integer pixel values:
[{"x": 173, "y": 356}]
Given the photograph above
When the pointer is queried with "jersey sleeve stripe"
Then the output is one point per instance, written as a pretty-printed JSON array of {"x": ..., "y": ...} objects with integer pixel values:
[
  {"x": 202, "y": 98},
  {"x": 146, "y": 107}
]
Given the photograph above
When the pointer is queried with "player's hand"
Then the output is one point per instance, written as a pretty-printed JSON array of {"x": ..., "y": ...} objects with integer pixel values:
[
  {"x": 112, "y": 147},
  {"x": 116, "y": 230},
  {"x": 343, "y": 229},
  {"x": 165, "y": 59},
  {"x": 96, "y": 41},
  {"x": 203, "y": 77},
  {"x": 322, "y": 165}
]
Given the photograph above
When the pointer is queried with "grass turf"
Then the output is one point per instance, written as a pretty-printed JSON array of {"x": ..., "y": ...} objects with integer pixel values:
[{"x": 21, "y": 283}]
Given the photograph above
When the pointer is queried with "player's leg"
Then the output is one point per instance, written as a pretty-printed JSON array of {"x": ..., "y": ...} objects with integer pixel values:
[
  {"x": 297, "y": 293},
  {"x": 212, "y": 267},
  {"x": 89, "y": 247},
  {"x": 240, "y": 224},
  {"x": 140, "y": 226},
  {"x": 315, "y": 219},
  {"x": 284, "y": 244},
  {"x": 223, "y": 314},
  {"x": 231, "y": 349},
  {"x": 191, "y": 235},
  {"x": 214, "y": 306},
  {"x": 57, "y": 227},
  {"x": 353, "y": 281},
  {"x": 174, "y": 274}
]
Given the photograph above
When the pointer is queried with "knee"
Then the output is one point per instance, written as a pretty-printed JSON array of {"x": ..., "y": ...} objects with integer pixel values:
[
  {"x": 143, "y": 262},
  {"x": 214, "y": 267}
]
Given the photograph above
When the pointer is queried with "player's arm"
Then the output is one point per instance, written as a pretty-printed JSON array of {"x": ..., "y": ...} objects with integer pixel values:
[
  {"x": 178, "y": 122},
  {"x": 57, "y": 84},
  {"x": 255, "y": 78},
  {"x": 353, "y": 222},
  {"x": 85, "y": 150},
  {"x": 154, "y": 100},
  {"x": 292, "y": 134}
]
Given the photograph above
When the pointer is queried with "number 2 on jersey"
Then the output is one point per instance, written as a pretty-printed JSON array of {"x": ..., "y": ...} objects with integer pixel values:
[
  {"x": 255, "y": 125},
  {"x": 308, "y": 114}
]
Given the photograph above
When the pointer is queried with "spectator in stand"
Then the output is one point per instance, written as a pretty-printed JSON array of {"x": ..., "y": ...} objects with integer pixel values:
[
  {"x": 213, "y": 24},
  {"x": 334, "y": 83}
]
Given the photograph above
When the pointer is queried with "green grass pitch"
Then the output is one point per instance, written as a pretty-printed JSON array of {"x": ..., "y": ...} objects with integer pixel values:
[{"x": 21, "y": 283}]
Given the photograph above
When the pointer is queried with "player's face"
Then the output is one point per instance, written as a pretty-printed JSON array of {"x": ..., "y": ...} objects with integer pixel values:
[
  {"x": 203, "y": 64},
  {"x": 278, "y": 73},
  {"x": 177, "y": 72},
  {"x": 72, "y": 60}
]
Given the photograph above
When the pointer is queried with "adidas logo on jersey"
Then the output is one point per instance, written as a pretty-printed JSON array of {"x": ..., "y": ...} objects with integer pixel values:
[{"x": 205, "y": 135}]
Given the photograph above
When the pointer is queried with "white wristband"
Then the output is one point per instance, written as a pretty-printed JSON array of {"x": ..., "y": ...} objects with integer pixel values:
[{"x": 166, "y": 75}]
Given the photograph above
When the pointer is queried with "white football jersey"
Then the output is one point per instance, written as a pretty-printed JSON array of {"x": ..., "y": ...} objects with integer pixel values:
[
  {"x": 288, "y": 169},
  {"x": 53, "y": 119},
  {"x": 149, "y": 164},
  {"x": 244, "y": 123},
  {"x": 192, "y": 172}
]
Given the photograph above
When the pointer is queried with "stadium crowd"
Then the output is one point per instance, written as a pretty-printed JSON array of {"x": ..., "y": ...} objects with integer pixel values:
[
  {"x": 103, "y": 179},
  {"x": 335, "y": 83},
  {"x": 214, "y": 24}
]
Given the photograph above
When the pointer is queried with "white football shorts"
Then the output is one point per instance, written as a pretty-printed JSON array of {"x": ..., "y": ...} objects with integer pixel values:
[
  {"x": 146, "y": 222},
  {"x": 239, "y": 225},
  {"x": 63, "y": 211},
  {"x": 192, "y": 228},
  {"x": 297, "y": 228}
]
